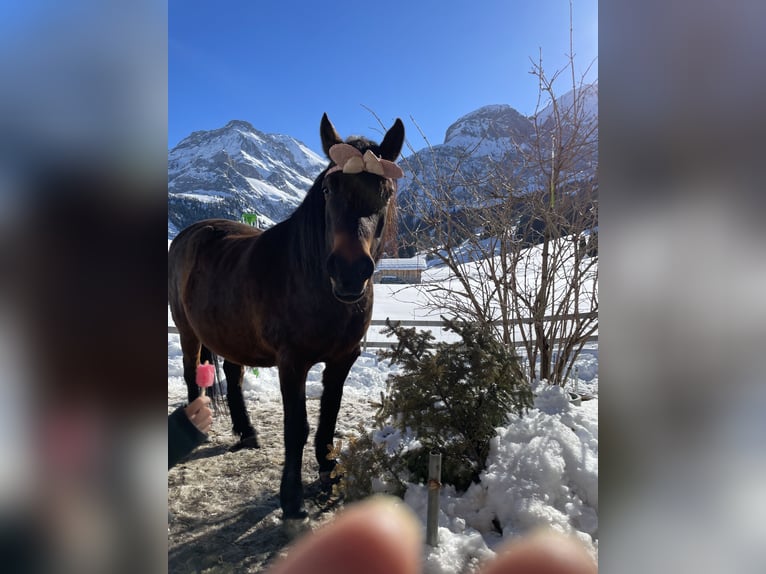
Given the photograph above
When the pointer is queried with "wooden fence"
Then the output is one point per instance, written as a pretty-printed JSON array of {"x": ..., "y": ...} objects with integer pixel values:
[{"x": 438, "y": 323}]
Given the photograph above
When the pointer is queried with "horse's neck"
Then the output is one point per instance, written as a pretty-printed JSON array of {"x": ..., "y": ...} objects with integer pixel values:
[{"x": 306, "y": 237}]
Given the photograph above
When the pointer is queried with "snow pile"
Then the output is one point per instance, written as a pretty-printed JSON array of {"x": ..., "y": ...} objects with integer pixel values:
[
  {"x": 461, "y": 552},
  {"x": 543, "y": 468},
  {"x": 542, "y": 471}
]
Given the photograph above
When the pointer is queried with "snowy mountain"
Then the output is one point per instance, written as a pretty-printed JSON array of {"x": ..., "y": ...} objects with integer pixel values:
[
  {"x": 478, "y": 146},
  {"x": 495, "y": 148},
  {"x": 587, "y": 105},
  {"x": 497, "y": 140},
  {"x": 493, "y": 131},
  {"x": 236, "y": 169}
]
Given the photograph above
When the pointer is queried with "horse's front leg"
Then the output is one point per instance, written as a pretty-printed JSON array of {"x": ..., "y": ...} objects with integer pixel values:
[
  {"x": 292, "y": 383},
  {"x": 334, "y": 376}
]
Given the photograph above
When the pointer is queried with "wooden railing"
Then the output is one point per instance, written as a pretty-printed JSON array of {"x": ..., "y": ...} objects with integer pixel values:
[
  {"x": 439, "y": 323},
  {"x": 424, "y": 323}
]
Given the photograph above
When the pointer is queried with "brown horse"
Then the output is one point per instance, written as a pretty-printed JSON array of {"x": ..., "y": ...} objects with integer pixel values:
[{"x": 294, "y": 295}]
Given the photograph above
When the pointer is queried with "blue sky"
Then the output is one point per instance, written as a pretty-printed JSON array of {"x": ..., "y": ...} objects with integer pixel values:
[{"x": 280, "y": 64}]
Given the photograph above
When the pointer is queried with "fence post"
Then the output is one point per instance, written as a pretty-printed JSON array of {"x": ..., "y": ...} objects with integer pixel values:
[{"x": 434, "y": 485}]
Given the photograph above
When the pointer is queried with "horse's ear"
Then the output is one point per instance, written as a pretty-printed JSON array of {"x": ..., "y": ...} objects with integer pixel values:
[
  {"x": 328, "y": 135},
  {"x": 393, "y": 141}
]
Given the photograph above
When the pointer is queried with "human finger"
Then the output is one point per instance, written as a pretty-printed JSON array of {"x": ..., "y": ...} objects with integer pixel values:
[
  {"x": 542, "y": 553},
  {"x": 200, "y": 414},
  {"x": 200, "y": 401},
  {"x": 203, "y": 419},
  {"x": 197, "y": 405},
  {"x": 377, "y": 536}
]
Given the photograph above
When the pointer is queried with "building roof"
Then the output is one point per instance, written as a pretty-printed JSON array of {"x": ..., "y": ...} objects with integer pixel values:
[{"x": 394, "y": 263}]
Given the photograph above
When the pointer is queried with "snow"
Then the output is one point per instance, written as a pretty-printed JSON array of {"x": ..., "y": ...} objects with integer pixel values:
[
  {"x": 260, "y": 166},
  {"x": 270, "y": 193},
  {"x": 542, "y": 469},
  {"x": 203, "y": 196},
  {"x": 302, "y": 155},
  {"x": 587, "y": 97},
  {"x": 412, "y": 263}
]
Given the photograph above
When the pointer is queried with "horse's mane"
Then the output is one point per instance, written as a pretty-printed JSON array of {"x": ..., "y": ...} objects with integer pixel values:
[{"x": 309, "y": 229}]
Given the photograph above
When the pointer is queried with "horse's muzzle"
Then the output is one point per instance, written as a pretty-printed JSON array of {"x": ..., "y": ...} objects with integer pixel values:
[
  {"x": 349, "y": 279},
  {"x": 348, "y": 297}
]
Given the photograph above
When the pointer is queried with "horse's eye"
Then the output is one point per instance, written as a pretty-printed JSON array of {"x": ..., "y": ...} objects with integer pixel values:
[{"x": 326, "y": 190}]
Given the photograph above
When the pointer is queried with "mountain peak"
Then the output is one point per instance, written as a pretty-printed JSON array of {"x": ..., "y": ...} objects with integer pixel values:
[
  {"x": 233, "y": 124},
  {"x": 493, "y": 122},
  {"x": 234, "y": 129},
  {"x": 234, "y": 169}
]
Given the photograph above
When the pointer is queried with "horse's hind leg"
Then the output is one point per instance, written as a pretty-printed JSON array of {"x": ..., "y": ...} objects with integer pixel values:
[
  {"x": 206, "y": 354},
  {"x": 242, "y": 427},
  {"x": 190, "y": 347}
]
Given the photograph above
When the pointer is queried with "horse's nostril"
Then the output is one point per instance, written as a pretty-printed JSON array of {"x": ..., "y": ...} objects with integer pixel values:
[{"x": 364, "y": 268}]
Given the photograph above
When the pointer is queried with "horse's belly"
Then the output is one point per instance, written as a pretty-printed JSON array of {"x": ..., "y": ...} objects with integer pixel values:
[
  {"x": 238, "y": 345},
  {"x": 254, "y": 356}
]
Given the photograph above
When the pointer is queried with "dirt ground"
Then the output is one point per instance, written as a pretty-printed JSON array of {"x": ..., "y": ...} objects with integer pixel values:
[{"x": 224, "y": 514}]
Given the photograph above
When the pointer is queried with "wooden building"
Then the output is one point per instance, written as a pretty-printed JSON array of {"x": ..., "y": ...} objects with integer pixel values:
[{"x": 395, "y": 270}]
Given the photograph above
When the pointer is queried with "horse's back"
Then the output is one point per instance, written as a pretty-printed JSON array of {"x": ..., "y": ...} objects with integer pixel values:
[
  {"x": 198, "y": 249},
  {"x": 205, "y": 237},
  {"x": 210, "y": 231}
]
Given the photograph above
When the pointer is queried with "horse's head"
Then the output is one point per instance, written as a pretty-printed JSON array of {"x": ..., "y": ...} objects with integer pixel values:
[{"x": 358, "y": 188}]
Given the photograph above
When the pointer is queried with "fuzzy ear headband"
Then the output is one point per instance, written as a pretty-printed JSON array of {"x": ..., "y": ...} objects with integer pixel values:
[{"x": 350, "y": 160}]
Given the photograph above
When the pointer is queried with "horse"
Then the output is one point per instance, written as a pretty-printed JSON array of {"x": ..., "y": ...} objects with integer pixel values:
[{"x": 291, "y": 296}]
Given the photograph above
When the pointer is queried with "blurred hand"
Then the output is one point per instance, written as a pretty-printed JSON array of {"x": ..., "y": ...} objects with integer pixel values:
[
  {"x": 199, "y": 413},
  {"x": 381, "y": 536}
]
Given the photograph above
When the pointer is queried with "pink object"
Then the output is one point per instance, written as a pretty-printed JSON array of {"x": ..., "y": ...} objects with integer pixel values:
[
  {"x": 351, "y": 160},
  {"x": 205, "y": 374}
]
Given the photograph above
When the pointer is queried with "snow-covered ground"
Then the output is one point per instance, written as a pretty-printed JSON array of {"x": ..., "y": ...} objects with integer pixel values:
[{"x": 542, "y": 468}]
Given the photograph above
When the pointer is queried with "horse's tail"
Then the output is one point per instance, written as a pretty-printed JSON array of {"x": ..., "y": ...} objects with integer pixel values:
[{"x": 217, "y": 391}]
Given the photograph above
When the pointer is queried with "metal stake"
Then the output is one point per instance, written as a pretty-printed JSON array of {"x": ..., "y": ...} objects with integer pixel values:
[{"x": 434, "y": 486}]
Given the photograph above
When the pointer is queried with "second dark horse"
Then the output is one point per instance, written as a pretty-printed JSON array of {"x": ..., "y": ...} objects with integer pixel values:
[{"x": 292, "y": 296}]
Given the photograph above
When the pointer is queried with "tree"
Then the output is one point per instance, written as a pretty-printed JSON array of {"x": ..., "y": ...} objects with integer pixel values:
[
  {"x": 450, "y": 396},
  {"x": 511, "y": 236}
]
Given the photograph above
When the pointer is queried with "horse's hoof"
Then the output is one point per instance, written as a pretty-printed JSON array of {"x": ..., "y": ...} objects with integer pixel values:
[
  {"x": 327, "y": 481},
  {"x": 294, "y": 527},
  {"x": 247, "y": 442},
  {"x": 250, "y": 442}
]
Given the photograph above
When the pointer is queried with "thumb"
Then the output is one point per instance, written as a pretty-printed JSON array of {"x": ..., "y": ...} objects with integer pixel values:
[{"x": 544, "y": 552}]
